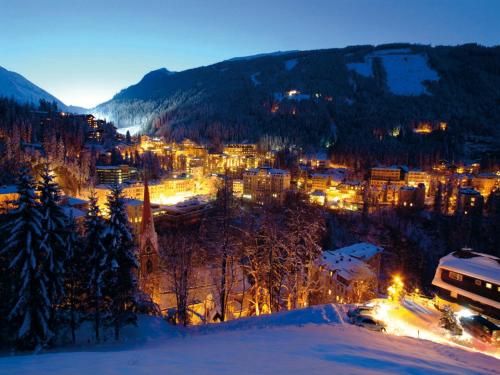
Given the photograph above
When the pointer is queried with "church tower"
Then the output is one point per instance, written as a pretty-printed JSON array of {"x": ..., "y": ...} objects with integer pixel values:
[{"x": 148, "y": 250}]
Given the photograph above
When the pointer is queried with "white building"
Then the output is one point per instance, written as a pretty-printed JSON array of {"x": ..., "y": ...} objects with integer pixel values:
[
  {"x": 470, "y": 279},
  {"x": 350, "y": 274}
]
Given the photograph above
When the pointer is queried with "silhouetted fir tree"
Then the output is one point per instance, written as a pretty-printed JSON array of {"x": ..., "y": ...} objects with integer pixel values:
[
  {"x": 6, "y": 289},
  {"x": 75, "y": 270},
  {"x": 96, "y": 254},
  {"x": 53, "y": 242},
  {"x": 31, "y": 310},
  {"x": 120, "y": 262}
]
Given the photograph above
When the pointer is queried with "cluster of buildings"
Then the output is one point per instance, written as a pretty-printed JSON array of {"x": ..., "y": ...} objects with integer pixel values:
[
  {"x": 183, "y": 195},
  {"x": 462, "y": 189},
  {"x": 190, "y": 157},
  {"x": 194, "y": 170},
  {"x": 97, "y": 127}
]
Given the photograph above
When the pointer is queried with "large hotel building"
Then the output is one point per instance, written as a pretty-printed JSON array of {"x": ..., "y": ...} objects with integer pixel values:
[{"x": 265, "y": 185}]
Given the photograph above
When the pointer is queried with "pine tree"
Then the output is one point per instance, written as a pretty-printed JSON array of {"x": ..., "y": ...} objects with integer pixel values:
[
  {"x": 53, "y": 243},
  {"x": 31, "y": 309},
  {"x": 121, "y": 262},
  {"x": 6, "y": 290},
  {"x": 97, "y": 256},
  {"x": 75, "y": 269},
  {"x": 449, "y": 321}
]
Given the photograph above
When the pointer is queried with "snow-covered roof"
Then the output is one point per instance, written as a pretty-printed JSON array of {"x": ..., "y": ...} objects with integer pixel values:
[
  {"x": 350, "y": 261},
  {"x": 74, "y": 212},
  {"x": 72, "y": 201},
  {"x": 133, "y": 202},
  {"x": 477, "y": 265},
  {"x": 348, "y": 267},
  {"x": 337, "y": 174},
  {"x": 361, "y": 250}
]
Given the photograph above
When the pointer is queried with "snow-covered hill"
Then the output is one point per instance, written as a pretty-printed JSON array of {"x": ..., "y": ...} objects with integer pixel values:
[
  {"x": 14, "y": 85},
  {"x": 308, "y": 341},
  {"x": 248, "y": 98},
  {"x": 406, "y": 71}
]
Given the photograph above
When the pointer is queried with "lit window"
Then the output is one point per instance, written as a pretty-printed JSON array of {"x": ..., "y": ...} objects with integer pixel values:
[
  {"x": 488, "y": 285},
  {"x": 455, "y": 276},
  {"x": 477, "y": 282}
]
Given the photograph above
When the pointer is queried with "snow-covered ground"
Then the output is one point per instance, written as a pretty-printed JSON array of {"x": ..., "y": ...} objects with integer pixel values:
[
  {"x": 253, "y": 78},
  {"x": 309, "y": 341},
  {"x": 290, "y": 64},
  {"x": 406, "y": 71}
]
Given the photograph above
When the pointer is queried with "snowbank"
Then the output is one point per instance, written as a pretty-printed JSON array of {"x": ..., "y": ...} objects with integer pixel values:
[{"x": 308, "y": 341}]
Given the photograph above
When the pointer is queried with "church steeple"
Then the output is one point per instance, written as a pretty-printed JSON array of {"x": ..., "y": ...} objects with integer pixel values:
[
  {"x": 147, "y": 216},
  {"x": 148, "y": 248}
]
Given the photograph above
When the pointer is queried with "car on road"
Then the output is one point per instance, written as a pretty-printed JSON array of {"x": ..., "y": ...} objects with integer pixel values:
[
  {"x": 359, "y": 310},
  {"x": 368, "y": 322},
  {"x": 481, "y": 328}
]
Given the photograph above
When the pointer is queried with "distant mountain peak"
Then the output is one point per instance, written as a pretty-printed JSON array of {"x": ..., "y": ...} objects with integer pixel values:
[
  {"x": 14, "y": 85},
  {"x": 161, "y": 71}
]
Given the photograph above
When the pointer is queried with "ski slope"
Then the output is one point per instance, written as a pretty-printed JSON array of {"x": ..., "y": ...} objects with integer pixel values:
[
  {"x": 315, "y": 340},
  {"x": 406, "y": 71}
]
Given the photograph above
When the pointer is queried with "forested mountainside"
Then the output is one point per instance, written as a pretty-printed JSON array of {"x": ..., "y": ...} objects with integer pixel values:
[{"x": 352, "y": 100}]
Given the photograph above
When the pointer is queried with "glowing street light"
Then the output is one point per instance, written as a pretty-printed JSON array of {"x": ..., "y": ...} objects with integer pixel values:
[{"x": 396, "y": 289}]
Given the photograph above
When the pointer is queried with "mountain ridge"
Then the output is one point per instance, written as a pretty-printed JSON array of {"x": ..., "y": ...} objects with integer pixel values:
[{"x": 319, "y": 98}]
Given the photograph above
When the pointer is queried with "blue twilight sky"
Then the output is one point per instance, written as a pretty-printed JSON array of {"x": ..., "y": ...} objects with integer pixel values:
[{"x": 84, "y": 51}]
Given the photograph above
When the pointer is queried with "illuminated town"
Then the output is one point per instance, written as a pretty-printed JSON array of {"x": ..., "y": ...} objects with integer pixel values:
[{"x": 333, "y": 210}]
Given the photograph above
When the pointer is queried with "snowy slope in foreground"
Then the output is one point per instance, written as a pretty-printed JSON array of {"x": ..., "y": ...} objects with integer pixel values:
[{"x": 309, "y": 341}]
